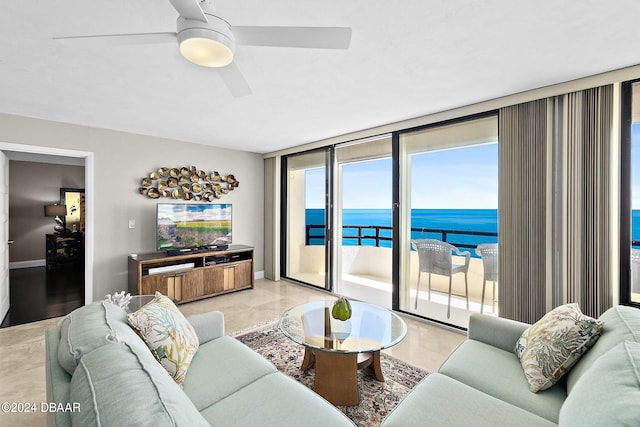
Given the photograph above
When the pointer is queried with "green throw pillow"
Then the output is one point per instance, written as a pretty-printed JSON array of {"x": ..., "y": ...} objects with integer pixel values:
[
  {"x": 167, "y": 333},
  {"x": 551, "y": 346}
]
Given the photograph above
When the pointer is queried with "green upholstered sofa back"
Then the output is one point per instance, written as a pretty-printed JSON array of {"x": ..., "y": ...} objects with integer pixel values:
[
  {"x": 621, "y": 323},
  {"x": 607, "y": 394},
  {"x": 90, "y": 327}
]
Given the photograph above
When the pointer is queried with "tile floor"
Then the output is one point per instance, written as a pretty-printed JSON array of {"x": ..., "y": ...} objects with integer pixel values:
[{"x": 22, "y": 347}]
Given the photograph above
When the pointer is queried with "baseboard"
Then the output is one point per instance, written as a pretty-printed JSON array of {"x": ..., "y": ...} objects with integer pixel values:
[
  {"x": 259, "y": 275},
  {"x": 27, "y": 264}
]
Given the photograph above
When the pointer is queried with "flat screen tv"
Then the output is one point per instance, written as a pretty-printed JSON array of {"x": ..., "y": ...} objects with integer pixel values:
[{"x": 182, "y": 225}]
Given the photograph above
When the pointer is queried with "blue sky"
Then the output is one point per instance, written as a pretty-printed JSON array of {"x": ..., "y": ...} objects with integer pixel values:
[{"x": 464, "y": 178}]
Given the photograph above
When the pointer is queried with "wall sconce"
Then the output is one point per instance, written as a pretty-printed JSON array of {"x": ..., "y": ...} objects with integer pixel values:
[{"x": 56, "y": 211}]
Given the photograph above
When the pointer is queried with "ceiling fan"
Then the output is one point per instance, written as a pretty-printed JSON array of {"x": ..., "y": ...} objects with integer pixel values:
[{"x": 206, "y": 39}]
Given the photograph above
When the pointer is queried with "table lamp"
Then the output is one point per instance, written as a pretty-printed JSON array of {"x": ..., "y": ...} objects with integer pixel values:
[{"x": 56, "y": 211}]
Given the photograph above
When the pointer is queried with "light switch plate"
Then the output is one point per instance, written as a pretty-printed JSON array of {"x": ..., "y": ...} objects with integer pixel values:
[{"x": 132, "y": 223}]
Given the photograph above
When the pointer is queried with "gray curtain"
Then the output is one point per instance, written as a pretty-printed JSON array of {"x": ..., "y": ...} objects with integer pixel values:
[
  {"x": 581, "y": 176},
  {"x": 523, "y": 131},
  {"x": 271, "y": 270},
  {"x": 589, "y": 121}
]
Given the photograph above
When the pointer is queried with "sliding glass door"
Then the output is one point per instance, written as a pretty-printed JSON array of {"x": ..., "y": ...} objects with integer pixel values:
[
  {"x": 363, "y": 218},
  {"x": 306, "y": 218},
  {"x": 343, "y": 234},
  {"x": 449, "y": 220},
  {"x": 630, "y": 224}
]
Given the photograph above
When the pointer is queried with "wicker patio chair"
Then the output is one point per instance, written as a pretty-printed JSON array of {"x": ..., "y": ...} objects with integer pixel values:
[
  {"x": 635, "y": 271},
  {"x": 489, "y": 254},
  {"x": 436, "y": 258}
]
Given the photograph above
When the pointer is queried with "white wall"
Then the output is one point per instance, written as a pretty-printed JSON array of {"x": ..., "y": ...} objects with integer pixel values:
[{"x": 120, "y": 161}]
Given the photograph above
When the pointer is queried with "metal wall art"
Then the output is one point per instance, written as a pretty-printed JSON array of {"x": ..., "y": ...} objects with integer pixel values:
[{"x": 187, "y": 183}]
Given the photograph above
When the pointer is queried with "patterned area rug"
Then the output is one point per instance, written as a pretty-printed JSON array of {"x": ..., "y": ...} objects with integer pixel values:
[{"x": 377, "y": 399}]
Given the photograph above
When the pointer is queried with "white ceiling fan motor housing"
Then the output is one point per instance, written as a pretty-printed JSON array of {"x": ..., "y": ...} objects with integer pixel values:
[{"x": 210, "y": 44}]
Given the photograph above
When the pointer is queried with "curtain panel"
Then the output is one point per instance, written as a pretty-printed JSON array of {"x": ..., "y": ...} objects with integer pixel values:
[
  {"x": 522, "y": 218},
  {"x": 589, "y": 124},
  {"x": 542, "y": 156},
  {"x": 271, "y": 200}
]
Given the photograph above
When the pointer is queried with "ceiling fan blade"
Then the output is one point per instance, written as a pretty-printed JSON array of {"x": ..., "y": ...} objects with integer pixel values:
[
  {"x": 234, "y": 80},
  {"x": 189, "y": 9},
  {"x": 117, "y": 39},
  {"x": 309, "y": 37}
]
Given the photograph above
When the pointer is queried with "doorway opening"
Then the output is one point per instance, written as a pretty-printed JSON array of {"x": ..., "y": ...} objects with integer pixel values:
[{"x": 48, "y": 260}]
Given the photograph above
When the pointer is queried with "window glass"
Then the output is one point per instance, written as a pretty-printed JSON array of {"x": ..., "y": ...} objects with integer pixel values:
[{"x": 449, "y": 220}]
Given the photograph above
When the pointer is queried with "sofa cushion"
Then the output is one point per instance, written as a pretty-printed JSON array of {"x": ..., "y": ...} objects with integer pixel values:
[
  {"x": 621, "y": 323},
  {"x": 275, "y": 400},
  {"x": 120, "y": 385},
  {"x": 169, "y": 335},
  {"x": 222, "y": 367},
  {"x": 441, "y": 401},
  {"x": 551, "y": 346},
  {"x": 90, "y": 327},
  {"x": 609, "y": 392},
  {"x": 499, "y": 373}
]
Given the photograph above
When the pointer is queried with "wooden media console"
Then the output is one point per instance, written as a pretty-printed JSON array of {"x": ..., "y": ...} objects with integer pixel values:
[{"x": 192, "y": 275}]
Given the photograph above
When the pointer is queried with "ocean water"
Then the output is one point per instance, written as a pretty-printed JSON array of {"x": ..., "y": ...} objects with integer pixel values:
[
  {"x": 483, "y": 220},
  {"x": 635, "y": 225},
  {"x": 463, "y": 220}
]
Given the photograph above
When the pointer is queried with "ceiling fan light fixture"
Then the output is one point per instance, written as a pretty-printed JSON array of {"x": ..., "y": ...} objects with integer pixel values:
[
  {"x": 210, "y": 44},
  {"x": 206, "y": 51}
]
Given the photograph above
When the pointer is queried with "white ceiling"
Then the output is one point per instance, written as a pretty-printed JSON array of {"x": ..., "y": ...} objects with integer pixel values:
[{"x": 407, "y": 59}]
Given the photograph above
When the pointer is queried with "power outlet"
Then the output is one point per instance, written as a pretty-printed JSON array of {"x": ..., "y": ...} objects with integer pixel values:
[{"x": 132, "y": 223}]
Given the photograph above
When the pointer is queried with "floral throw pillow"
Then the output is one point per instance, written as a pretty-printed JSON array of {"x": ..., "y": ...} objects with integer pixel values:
[
  {"x": 167, "y": 333},
  {"x": 551, "y": 346}
]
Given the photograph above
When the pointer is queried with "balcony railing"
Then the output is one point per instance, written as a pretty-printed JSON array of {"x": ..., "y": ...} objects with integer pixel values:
[{"x": 373, "y": 233}]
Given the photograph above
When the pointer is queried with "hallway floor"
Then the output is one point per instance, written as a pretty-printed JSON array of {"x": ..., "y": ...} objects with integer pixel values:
[{"x": 37, "y": 293}]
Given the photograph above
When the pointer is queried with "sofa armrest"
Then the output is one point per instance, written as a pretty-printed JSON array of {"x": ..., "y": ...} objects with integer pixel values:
[
  {"x": 58, "y": 381},
  {"x": 208, "y": 326},
  {"x": 495, "y": 331}
]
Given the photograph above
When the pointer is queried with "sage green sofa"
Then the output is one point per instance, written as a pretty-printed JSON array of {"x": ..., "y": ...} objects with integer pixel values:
[
  {"x": 103, "y": 374},
  {"x": 482, "y": 383}
]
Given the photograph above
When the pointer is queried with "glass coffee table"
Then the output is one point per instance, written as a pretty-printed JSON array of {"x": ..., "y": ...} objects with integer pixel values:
[
  {"x": 339, "y": 348},
  {"x": 138, "y": 301}
]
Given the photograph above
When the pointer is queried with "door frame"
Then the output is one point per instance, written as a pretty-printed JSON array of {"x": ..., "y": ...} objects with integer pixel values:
[
  {"x": 5, "y": 291},
  {"x": 328, "y": 217},
  {"x": 89, "y": 200},
  {"x": 626, "y": 205}
]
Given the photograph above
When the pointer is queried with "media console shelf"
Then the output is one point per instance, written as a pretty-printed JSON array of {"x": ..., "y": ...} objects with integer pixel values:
[{"x": 192, "y": 276}]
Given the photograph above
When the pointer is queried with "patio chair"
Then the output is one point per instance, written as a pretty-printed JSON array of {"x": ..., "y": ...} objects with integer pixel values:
[
  {"x": 635, "y": 271},
  {"x": 435, "y": 258},
  {"x": 489, "y": 254}
]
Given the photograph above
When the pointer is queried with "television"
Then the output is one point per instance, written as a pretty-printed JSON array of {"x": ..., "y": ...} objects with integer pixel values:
[{"x": 182, "y": 225}]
